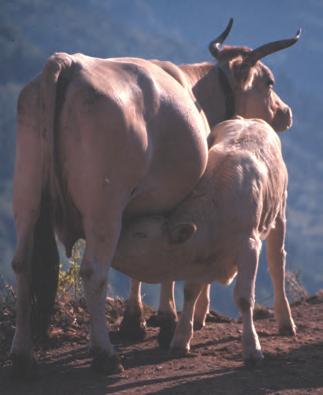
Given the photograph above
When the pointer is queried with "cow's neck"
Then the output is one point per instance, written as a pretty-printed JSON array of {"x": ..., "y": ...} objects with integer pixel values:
[{"x": 212, "y": 90}]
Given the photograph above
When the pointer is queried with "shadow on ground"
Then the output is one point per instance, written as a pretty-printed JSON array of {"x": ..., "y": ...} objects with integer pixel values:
[{"x": 296, "y": 370}]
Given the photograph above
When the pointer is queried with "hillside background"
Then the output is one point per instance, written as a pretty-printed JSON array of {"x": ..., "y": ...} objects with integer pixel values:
[{"x": 30, "y": 30}]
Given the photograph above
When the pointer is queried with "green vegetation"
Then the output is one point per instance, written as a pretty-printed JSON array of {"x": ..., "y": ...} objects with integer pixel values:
[{"x": 69, "y": 281}]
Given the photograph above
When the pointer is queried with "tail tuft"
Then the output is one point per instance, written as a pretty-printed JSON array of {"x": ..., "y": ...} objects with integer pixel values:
[{"x": 44, "y": 271}]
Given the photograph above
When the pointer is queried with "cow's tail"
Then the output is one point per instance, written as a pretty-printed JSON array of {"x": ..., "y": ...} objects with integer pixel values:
[
  {"x": 45, "y": 257},
  {"x": 44, "y": 271}
]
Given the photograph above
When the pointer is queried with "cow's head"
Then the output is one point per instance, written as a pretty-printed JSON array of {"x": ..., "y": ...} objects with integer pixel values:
[{"x": 251, "y": 82}]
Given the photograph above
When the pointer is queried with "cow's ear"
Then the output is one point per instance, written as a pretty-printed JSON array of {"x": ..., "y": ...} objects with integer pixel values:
[
  {"x": 181, "y": 232},
  {"x": 243, "y": 72}
]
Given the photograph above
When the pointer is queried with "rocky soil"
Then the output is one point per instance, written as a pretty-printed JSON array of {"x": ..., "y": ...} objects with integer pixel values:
[{"x": 291, "y": 365}]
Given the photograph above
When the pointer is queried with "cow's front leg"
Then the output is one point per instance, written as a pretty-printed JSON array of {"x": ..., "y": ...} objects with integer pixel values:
[
  {"x": 180, "y": 344},
  {"x": 133, "y": 325},
  {"x": 244, "y": 296},
  {"x": 202, "y": 307},
  {"x": 101, "y": 240},
  {"x": 276, "y": 256}
]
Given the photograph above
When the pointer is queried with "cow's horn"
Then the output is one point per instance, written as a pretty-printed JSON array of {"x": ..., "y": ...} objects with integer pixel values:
[
  {"x": 215, "y": 45},
  {"x": 272, "y": 47}
]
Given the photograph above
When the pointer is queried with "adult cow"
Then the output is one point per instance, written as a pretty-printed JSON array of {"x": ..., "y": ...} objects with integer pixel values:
[
  {"x": 101, "y": 140},
  {"x": 217, "y": 231},
  {"x": 238, "y": 99}
]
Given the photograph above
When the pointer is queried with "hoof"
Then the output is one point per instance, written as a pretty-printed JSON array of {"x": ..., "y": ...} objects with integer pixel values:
[
  {"x": 132, "y": 328},
  {"x": 106, "y": 364},
  {"x": 167, "y": 324},
  {"x": 23, "y": 367},
  {"x": 166, "y": 333},
  {"x": 198, "y": 325},
  {"x": 154, "y": 321},
  {"x": 179, "y": 352},
  {"x": 288, "y": 330},
  {"x": 254, "y": 360}
]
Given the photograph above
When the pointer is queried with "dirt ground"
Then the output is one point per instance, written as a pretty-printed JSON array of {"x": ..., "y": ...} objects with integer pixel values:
[{"x": 291, "y": 365}]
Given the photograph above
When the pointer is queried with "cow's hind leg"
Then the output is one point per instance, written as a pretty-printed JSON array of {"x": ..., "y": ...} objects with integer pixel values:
[
  {"x": 102, "y": 229},
  {"x": 133, "y": 325},
  {"x": 244, "y": 296},
  {"x": 21, "y": 348},
  {"x": 276, "y": 256},
  {"x": 36, "y": 264},
  {"x": 180, "y": 344}
]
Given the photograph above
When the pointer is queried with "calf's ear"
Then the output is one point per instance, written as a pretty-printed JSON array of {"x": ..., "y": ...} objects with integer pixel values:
[{"x": 181, "y": 232}]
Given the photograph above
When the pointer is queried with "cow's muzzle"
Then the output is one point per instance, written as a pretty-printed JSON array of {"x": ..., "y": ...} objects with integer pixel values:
[{"x": 283, "y": 119}]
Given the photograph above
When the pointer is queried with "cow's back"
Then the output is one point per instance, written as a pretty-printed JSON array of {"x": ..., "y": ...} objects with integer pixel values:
[{"x": 248, "y": 174}]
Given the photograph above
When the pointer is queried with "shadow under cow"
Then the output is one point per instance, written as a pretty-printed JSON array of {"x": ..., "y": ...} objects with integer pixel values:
[{"x": 299, "y": 369}]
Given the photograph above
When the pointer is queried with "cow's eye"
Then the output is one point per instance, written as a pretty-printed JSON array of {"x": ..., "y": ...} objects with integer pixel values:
[{"x": 270, "y": 83}]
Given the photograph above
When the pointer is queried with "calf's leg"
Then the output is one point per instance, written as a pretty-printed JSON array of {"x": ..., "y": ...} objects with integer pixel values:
[
  {"x": 244, "y": 296},
  {"x": 202, "y": 307},
  {"x": 167, "y": 314},
  {"x": 133, "y": 325},
  {"x": 180, "y": 344},
  {"x": 276, "y": 256}
]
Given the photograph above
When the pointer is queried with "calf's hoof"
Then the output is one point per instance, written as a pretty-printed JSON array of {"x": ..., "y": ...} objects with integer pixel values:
[
  {"x": 24, "y": 367},
  {"x": 106, "y": 364},
  {"x": 198, "y": 325},
  {"x": 254, "y": 359},
  {"x": 288, "y": 330},
  {"x": 132, "y": 328}
]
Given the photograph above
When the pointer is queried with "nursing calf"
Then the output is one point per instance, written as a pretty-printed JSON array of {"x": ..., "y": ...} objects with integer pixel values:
[{"x": 216, "y": 233}]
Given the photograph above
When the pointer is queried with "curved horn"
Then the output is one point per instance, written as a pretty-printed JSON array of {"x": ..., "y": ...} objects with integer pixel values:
[
  {"x": 272, "y": 47},
  {"x": 214, "y": 46}
]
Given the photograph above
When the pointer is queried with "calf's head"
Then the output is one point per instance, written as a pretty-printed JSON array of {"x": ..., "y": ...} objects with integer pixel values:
[
  {"x": 155, "y": 239},
  {"x": 251, "y": 82}
]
